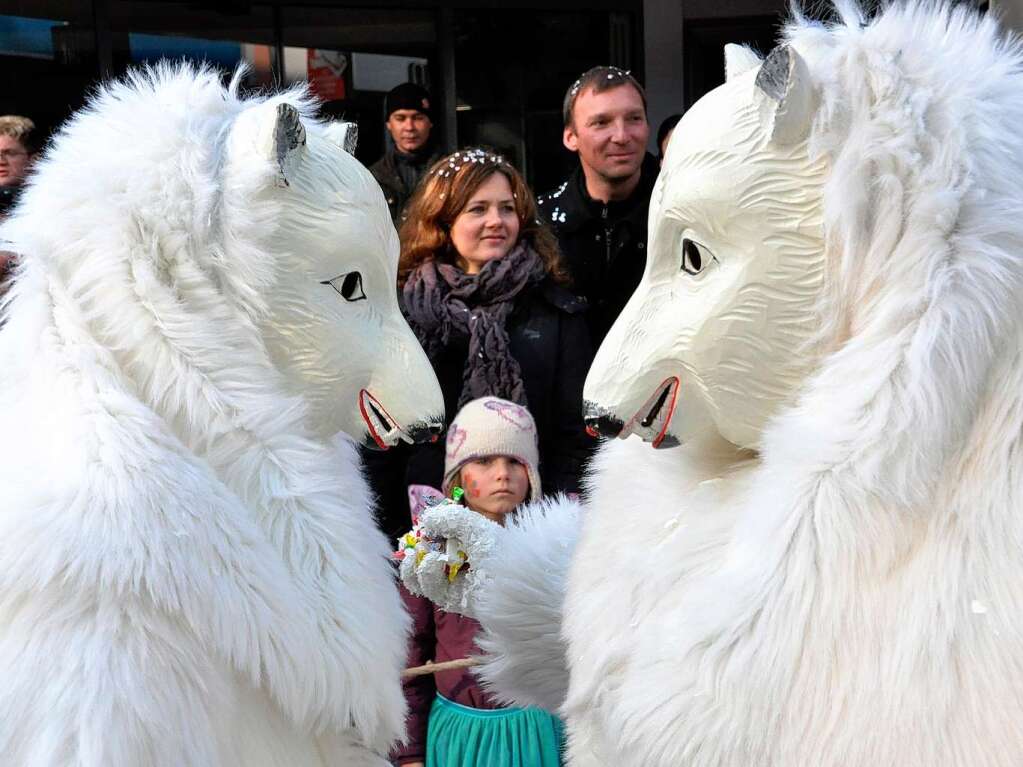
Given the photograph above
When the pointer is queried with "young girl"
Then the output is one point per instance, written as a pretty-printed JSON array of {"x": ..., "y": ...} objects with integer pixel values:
[{"x": 491, "y": 465}]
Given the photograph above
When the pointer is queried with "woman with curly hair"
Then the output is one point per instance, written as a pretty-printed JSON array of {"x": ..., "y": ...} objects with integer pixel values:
[{"x": 483, "y": 288}]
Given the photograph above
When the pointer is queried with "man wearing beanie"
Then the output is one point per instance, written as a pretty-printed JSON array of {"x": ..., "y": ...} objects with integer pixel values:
[{"x": 410, "y": 151}]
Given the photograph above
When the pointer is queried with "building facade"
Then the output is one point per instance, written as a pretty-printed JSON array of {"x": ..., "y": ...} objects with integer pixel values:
[{"x": 498, "y": 71}]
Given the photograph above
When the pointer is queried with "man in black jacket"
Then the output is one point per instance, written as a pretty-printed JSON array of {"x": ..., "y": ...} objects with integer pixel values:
[
  {"x": 600, "y": 214},
  {"x": 410, "y": 152}
]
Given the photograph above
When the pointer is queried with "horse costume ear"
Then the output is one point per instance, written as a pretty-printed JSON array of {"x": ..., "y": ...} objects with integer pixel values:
[
  {"x": 739, "y": 59},
  {"x": 282, "y": 138},
  {"x": 344, "y": 134},
  {"x": 783, "y": 83}
]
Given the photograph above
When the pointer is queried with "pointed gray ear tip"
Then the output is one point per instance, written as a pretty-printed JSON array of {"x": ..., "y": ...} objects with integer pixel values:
[
  {"x": 288, "y": 135},
  {"x": 785, "y": 80},
  {"x": 289, "y": 121},
  {"x": 773, "y": 77},
  {"x": 288, "y": 117},
  {"x": 343, "y": 134},
  {"x": 351, "y": 137}
]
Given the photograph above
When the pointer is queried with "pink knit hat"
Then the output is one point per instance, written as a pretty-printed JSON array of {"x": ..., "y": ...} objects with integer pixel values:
[{"x": 492, "y": 426}]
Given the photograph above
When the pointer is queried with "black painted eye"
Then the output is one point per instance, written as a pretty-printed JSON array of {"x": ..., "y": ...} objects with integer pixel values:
[
  {"x": 694, "y": 259},
  {"x": 349, "y": 286}
]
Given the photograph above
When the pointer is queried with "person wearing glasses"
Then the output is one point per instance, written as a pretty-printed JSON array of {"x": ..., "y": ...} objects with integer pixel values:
[{"x": 18, "y": 149}]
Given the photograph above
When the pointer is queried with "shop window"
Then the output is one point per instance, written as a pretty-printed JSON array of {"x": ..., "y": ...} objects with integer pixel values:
[
  {"x": 47, "y": 61},
  {"x": 28, "y": 37},
  {"x": 353, "y": 56}
]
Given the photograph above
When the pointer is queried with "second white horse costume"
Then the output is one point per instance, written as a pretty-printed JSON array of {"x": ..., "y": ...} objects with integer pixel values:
[{"x": 827, "y": 571}]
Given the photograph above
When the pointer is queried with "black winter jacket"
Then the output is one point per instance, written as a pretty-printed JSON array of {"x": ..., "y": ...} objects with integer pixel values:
[
  {"x": 550, "y": 341},
  {"x": 396, "y": 191},
  {"x": 603, "y": 244}
]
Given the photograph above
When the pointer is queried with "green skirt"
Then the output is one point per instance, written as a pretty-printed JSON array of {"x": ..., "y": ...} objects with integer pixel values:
[{"x": 459, "y": 736}]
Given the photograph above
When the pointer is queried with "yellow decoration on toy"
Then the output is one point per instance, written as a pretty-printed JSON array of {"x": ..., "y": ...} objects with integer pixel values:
[
  {"x": 453, "y": 571},
  {"x": 455, "y": 562}
]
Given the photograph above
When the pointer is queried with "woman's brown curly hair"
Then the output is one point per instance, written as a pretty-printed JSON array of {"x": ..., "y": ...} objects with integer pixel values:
[{"x": 444, "y": 192}]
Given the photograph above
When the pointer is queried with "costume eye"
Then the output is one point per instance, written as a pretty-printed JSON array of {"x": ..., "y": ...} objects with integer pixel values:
[
  {"x": 349, "y": 286},
  {"x": 694, "y": 257}
]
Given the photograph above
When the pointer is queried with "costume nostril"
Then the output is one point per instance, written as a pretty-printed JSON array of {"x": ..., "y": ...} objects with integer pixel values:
[
  {"x": 601, "y": 423},
  {"x": 604, "y": 426},
  {"x": 426, "y": 432}
]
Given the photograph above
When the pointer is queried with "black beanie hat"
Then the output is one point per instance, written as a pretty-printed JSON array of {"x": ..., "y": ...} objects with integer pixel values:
[{"x": 408, "y": 96}]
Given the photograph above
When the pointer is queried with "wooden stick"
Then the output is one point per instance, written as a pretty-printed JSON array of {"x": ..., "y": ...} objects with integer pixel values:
[{"x": 433, "y": 668}]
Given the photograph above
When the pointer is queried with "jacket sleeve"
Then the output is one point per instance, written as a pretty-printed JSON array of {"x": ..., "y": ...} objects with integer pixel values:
[
  {"x": 419, "y": 690},
  {"x": 570, "y": 447},
  {"x": 385, "y": 472}
]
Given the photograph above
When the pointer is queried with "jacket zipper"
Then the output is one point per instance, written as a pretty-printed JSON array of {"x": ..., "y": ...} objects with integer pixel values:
[{"x": 607, "y": 238}]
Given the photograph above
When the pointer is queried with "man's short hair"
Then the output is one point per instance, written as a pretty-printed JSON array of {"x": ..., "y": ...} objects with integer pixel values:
[
  {"x": 22, "y": 129},
  {"x": 599, "y": 79},
  {"x": 667, "y": 126}
]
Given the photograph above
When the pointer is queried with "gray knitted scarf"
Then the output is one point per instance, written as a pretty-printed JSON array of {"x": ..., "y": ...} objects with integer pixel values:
[{"x": 443, "y": 303}]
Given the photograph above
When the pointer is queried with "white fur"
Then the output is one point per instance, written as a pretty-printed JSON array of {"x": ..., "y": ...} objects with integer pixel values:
[
  {"x": 189, "y": 572},
  {"x": 849, "y": 594},
  {"x": 739, "y": 59},
  {"x": 468, "y": 537},
  {"x": 520, "y": 609}
]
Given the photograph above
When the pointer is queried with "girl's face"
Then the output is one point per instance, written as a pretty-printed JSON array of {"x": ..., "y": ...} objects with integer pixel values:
[
  {"x": 487, "y": 227},
  {"x": 495, "y": 485}
]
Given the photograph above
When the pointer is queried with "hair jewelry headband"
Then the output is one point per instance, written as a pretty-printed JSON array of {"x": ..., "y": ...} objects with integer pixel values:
[{"x": 456, "y": 161}]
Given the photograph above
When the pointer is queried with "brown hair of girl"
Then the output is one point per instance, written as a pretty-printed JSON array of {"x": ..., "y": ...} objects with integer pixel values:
[{"x": 445, "y": 191}]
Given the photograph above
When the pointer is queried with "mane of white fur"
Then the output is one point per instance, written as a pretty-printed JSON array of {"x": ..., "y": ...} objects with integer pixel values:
[
  {"x": 188, "y": 576},
  {"x": 850, "y": 596}
]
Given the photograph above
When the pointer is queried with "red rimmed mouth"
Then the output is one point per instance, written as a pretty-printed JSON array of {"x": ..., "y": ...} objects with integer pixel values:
[
  {"x": 651, "y": 421},
  {"x": 385, "y": 431}
]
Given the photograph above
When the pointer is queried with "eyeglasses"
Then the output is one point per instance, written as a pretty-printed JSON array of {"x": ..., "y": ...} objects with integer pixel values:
[{"x": 8, "y": 154}]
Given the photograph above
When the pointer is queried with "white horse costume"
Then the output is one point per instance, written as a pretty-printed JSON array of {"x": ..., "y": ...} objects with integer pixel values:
[
  {"x": 189, "y": 570},
  {"x": 829, "y": 571}
]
